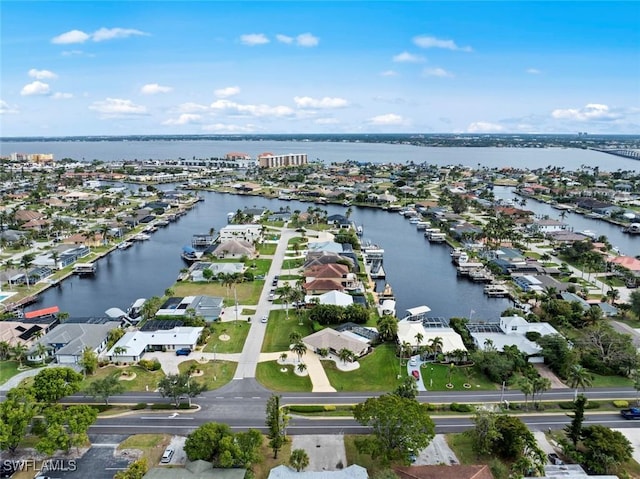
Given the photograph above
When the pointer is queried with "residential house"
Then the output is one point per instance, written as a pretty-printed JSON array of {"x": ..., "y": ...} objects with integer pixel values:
[
  {"x": 546, "y": 226},
  {"x": 335, "y": 341},
  {"x": 323, "y": 285},
  {"x": 66, "y": 342},
  {"x": 350, "y": 472},
  {"x": 234, "y": 249},
  {"x": 441, "y": 471},
  {"x": 197, "y": 269},
  {"x": 25, "y": 331},
  {"x": 246, "y": 232},
  {"x": 135, "y": 343},
  {"x": 209, "y": 307},
  {"x": 510, "y": 331},
  {"x": 335, "y": 298}
]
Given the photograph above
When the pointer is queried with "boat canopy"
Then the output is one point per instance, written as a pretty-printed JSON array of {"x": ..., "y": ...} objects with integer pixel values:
[
  {"x": 41, "y": 312},
  {"x": 188, "y": 250}
]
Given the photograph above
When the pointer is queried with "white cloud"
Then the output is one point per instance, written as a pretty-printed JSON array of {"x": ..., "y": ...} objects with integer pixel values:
[
  {"x": 184, "y": 119},
  {"x": 73, "y": 36},
  {"x": 78, "y": 36},
  {"x": 388, "y": 73},
  {"x": 307, "y": 40},
  {"x": 233, "y": 108},
  {"x": 284, "y": 39},
  {"x": 227, "y": 92},
  {"x": 111, "y": 33},
  {"x": 117, "y": 107},
  {"x": 327, "y": 121},
  {"x": 432, "y": 42},
  {"x": 253, "y": 39},
  {"x": 42, "y": 74},
  {"x": 590, "y": 112},
  {"x": 6, "y": 109},
  {"x": 533, "y": 71},
  {"x": 191, "y": 107},
  {"x": 35, "y": 88},
  {"x": 484, "y": 127},
  {"x": 154, "y": 89},
  {"x": 71, "y": 53},
  {"x": 406, "y": 57},
  {"x": 226, "y": 128},
  {"x": 61, "y": 96},
  {"x": 319, "y": 103},
  {"x": 437, "y": 72},
  {"x": 388, "y": 119}
]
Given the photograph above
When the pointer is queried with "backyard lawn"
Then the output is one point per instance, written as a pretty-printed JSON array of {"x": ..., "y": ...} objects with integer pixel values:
[
  {"x": 459, "y": 376},
  {"x": 378, "y": 371},
  {"x": 271, "y": 375},
  {"x": 610, "y": 381},
  {"x": 278, "y": 330},
  {"x": 142, "y": 379},
  {"x": 267, "y": 248},
  {"x": 236, "y": 330},
  {"x": 248, "y": 293},
  {"x": 151, "y": 445},
  {"x": 214, "y": 374}
]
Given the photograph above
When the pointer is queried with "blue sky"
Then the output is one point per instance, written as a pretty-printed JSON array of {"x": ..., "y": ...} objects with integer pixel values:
[{"x": 207, "y": 67}]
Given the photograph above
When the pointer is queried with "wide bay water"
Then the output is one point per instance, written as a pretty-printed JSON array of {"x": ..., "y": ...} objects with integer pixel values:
[{"x": 328, "y": 152}]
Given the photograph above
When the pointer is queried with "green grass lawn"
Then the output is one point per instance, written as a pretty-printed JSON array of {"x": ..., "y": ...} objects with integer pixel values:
[
  {"x": 271, "y": 376},
  {"x": 378, "y": 371},
  {"x": 248, "y": 293},
  {"x": 8, "y": 369},
  {"x": 440, "y": 375},
  {"x": 299, "y": 240},
  {"x": 279, "y": 328},
  {"x": 462, "y": 445},
  {"x": 267, "y": 248},
  {"x": 214, "y": 375},
  {"x": 237, "y": 330},
  {"x": 142, "y": 379},
  {"x": 610, "y": 381}
]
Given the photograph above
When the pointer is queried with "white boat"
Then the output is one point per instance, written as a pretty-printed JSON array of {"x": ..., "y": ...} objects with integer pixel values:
[
  {"x": 414, "y": 220},
  {"x": 496, "y": 291},
  {"x": 125, "y": 245},
  {"x": 141, "y": 237},
  {"x": 632, "y": 229},
  {"x": 135, "y": 310},
  {"x": 422, "y": 225},
  {"x": 588, "y": 233},
  {"x": 359, "y": 231}
]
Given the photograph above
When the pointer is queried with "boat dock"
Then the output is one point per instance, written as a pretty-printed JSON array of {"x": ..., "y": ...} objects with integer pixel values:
[{"x": 85, "y": 268}]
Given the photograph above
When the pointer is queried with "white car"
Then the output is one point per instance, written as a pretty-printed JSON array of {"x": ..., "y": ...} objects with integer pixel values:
[
  {"x": 167, "y": 455},
  {"x": 413, "y": 362},
  {"x": 264, "y": 319}
]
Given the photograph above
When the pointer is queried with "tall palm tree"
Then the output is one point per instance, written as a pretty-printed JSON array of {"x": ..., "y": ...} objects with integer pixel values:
[
  {"x": 579, "y": 377},
  {"x": 526, "y": 387},
  {"x": 387, "y": 327},
  {"x": 346, "y": 355},
  {"x": 286, "y": 293},
  {"x": 119, "y": 350},
  {"x": 19, "y": 352},
  {"x": 5, "y": 349},
  {"x": 294, "y": 337},
  {"x": 300, "y": 349},
  {"x": 41, "y": 350},
  {"x": 26, "y": 261},
  {"x": 436, "y": 344},
  {"x": 419, "y": 337}
]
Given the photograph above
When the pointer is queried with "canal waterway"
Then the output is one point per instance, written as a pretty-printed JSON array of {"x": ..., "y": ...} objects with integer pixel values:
[{"x": 419, "y": 272}]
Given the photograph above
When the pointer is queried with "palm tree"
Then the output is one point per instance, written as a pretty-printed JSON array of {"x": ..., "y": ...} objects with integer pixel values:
[
  {"x": 25, "y": 262},
  {"x": 285, "y": 293},
  {"x": 5, "y": 349},
  {"x": 302, "y": 367},
  {"x": 19, "y": 352},
  {"x": 104, "y": 231},
  {"x": 346, "y": 355},
  {"x": 300, "y": 349},
  {"x": 387, "y": 327},
  {"x": 283, "y": 357},
  {"x": 526, "y": 387},
  {"x": 119, "y": 350},
  {"x": 613, "y": 294},
  {"x": 419, "y": 337},
  {"x": 294, "y": 337},
  {"x": 436, "y": 345},
  {"x": 170, "y": 292},
  {"x": 41, "y": 349},
  {"x": 579, "y": 377},
  {"x": 540, "y": 385}
]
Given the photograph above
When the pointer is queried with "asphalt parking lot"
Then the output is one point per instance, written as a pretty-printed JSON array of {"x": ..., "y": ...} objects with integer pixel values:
[{"x": 98, "y": 462}]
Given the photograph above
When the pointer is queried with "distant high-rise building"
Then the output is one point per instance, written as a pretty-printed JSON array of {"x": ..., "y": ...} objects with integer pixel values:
[{"x": 269, "y": 160}]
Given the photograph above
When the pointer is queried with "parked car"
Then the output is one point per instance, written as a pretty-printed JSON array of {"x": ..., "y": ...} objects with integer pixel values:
[
  {"x": 264, "y": 319},
  {"x": 416, "y": 374},
  {"x": 183, "y": 352},
  {"x": 555, "y": 459},
  {"x": 272, "y": 296},
  {"x": 167, "y": 455},
  {"x": 413, "y": 362}
]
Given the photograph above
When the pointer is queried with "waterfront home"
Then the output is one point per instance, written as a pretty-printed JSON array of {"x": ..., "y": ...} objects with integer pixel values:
[
  {"x": 574, "y": 298},
  {"x": 537, "y": 283},
  {"x": 326, "y": 246},
  {"x": 25, "y": 331},
  {"x": 510, "y": 331},
  {"x": 246, "y": 232},
  {"x": 335, "y": 341},
  {"x": 208, "y": 307},
  {"x": 66, "y": 342},
  {"x": 335, "y": 298},
  {"x": 89, "y": 239},
  {"x": 339, "y": 221},
  {"x": 234, "y": 249},
  {"x": 413, "y": 328},
  {"x": 319, "y": 258},
  {"x": 448, "y": 471},
  {"x": 197, "y": 269},
  {"x": 319, "y": 286},
  {"x": 135, "y": 343},
  {"x": 627, "y": 262},
  {"x": 546, "y": 226}
]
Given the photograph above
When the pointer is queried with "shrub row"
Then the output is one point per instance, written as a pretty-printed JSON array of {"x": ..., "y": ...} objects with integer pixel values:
[
  {"x": 462, "y": 407},
  {"x": 621, "y": 404}
]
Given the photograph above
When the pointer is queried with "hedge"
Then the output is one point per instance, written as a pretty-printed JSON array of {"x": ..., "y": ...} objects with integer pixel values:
[{"x": 621, "y": 404}]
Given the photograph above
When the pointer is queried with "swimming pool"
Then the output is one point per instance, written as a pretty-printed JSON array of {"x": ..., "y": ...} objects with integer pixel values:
[{"x": 4, "y": 296}]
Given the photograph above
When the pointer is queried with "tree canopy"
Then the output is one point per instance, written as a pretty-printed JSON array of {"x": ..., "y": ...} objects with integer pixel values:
[{"x": 52, "y": 384}]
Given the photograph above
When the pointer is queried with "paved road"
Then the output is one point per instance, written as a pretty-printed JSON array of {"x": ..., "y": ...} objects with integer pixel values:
[{"x": 253, "y": 345}]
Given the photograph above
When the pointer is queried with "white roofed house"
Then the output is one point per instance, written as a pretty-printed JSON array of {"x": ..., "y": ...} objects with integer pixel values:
[
  {"x": 235, "y": 249},
  {"x": 132, "y": 346},
  {"x": 418, "y": 326},
  {"x": 511, "y": 331},
  {"x": 246, "y": 232}
]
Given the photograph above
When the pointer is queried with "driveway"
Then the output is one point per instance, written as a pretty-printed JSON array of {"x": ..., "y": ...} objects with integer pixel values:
[
  {"x": 326, "y": 452},
  {"x": 437, "y": 452},
  {"x": 633, "y": 435},
  {"x": 99, "y": 462}
]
